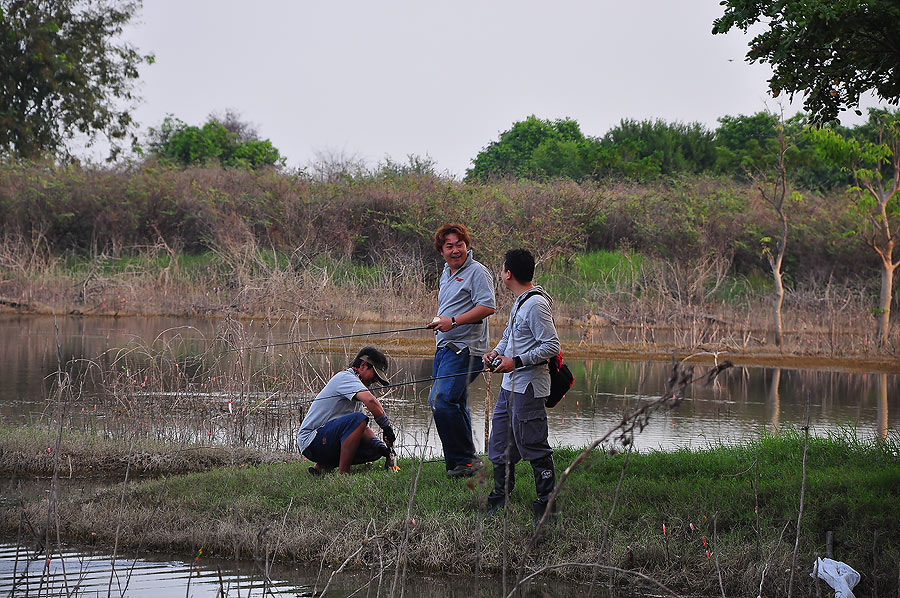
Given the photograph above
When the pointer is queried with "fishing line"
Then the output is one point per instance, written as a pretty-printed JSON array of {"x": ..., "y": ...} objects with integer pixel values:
[{"x": 327, "y": 338}]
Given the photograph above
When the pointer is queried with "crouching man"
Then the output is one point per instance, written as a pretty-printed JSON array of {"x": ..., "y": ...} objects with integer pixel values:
[
  {"x": 335, "y": 433},
  {"x": 519, "y": 424}
]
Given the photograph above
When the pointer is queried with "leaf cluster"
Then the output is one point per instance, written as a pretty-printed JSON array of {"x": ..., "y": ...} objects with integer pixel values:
[
  {"x": 64, "y": 72},
  {"x": 830, "y": 51},
  {"x": 222, "y": 141}
]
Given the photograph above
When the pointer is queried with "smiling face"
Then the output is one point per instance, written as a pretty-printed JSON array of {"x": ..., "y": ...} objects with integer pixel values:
[{"x": 454, "y": 251}]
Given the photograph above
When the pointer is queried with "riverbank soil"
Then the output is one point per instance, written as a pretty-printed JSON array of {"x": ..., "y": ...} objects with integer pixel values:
[{"x": 688, "y": 520}]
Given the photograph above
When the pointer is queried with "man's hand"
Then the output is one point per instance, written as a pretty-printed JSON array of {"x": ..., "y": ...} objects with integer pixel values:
[
  {"x": 389, "y": 435},
  {"x": 488, "y": 357},
  {"x": 506, "y": 365},
  {"x": 387, "y": 429},
  {"x": 441, "y": 323}
]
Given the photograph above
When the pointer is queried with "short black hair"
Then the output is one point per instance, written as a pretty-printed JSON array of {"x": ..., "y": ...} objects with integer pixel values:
[
  {"x": 519, "y": 263},
  {"x": 373, "y": 356}
]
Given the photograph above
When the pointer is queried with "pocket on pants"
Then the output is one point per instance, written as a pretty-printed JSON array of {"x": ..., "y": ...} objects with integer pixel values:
[{"x": 532, "y": 431}]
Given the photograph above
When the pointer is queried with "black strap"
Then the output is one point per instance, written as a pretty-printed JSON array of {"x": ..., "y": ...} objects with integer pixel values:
[{"x": 528, "y": 295}]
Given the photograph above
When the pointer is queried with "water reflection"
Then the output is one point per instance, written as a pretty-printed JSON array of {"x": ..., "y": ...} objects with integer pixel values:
[
  {"x": 259, "y": 397},
  {"x": 84, "y": 571}
]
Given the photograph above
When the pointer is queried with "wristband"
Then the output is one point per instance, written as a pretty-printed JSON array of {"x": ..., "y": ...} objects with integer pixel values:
[
  {"x": 517, "y": 361},
  {"x": 453, "y": 322},
  {"x": 383, "y": 421}
]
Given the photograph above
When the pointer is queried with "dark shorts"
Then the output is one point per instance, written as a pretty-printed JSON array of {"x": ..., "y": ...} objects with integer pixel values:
[{"x": 325, "y": 448}]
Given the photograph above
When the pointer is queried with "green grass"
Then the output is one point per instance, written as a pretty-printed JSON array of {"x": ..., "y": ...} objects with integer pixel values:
[
  {"x": 738, "y": 288},
  {"x": 584, "y": 274},
  {"x": 851, "y": 489}
]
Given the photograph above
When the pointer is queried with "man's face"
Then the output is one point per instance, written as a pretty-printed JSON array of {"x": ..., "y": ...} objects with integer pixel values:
[
  {"x": 366, "y": 374},
  {"x": 454, "y": 251}
]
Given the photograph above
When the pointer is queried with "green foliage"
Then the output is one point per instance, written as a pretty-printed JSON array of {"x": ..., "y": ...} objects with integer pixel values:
[
  {"x": 866, "y": 151},
  {"x": 538, "y": 149},
  {"x": 213, "y": 143},
  {"x": 830, "y": 51},
  {"x": 647, "y": 149},
  {"x": 63, "y": 73},
  {"x": 651, "y": 149}
]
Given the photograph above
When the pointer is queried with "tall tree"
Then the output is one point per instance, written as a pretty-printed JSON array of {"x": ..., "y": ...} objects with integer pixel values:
[
  {"x": 875, "y": 164},
  {"x": 772, "y": 184},
  {"x": 832, "y": 51},
  {"x": 64, "y": 72}
]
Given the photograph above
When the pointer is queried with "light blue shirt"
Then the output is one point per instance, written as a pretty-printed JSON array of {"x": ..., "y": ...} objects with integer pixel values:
[
  {"x": 338, "y": 398},
  {"x": 530, "y": 334},
  {"x": 469, "y": 286}
]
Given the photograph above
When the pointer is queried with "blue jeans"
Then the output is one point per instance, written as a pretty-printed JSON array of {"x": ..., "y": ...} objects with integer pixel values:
[{"x": 449, "y": 399}]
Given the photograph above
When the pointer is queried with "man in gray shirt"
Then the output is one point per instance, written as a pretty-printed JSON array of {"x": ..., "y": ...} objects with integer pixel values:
[
  {"x": 335, "y": 433},
  {"x": 465, "y": 299},
  {"x": 519, "y": 424}
]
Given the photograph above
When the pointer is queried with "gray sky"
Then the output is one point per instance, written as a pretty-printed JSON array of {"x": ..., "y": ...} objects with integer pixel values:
[{"x": 371, "y": 79}]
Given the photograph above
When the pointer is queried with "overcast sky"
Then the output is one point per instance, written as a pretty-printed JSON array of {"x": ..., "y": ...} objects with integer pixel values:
[{"x": 370, "y": 79}]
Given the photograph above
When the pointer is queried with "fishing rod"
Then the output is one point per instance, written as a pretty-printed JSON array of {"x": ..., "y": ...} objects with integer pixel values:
[
  {"x": 387, "y": 387},
  {"x": 329, "y": 338}
]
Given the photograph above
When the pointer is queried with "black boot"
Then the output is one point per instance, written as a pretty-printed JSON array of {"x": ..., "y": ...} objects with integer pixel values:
[
  {"x": 544, "y": 482},
  {"x": 496, "y": 500}
]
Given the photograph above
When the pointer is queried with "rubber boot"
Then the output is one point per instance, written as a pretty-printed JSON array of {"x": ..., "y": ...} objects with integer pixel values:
[
  {"x": 496, "y": 500},
  {"x": 544, "y": 482}
]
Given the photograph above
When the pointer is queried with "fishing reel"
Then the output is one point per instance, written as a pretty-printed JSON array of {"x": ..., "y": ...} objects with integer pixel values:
[{"x": 493, "y": 365}]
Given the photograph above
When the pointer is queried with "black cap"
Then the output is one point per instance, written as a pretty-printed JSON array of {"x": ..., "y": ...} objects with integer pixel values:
[{"x": 377, "y": 360}]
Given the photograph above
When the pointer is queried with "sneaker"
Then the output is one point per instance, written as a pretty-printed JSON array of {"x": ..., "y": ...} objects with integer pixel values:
[{"x": 465, "y": 470}]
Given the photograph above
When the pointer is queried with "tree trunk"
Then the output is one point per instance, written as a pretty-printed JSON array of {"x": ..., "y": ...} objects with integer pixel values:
[
  {"x": 884, "y": 306},
  {"x": 776, "y": 304}
]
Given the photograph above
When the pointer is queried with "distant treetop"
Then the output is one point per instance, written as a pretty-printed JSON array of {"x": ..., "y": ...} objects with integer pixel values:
[{"x": 223, "y": 140}]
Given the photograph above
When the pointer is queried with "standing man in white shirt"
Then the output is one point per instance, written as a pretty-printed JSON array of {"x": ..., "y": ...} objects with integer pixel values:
[{"x": 465, "y": 300}]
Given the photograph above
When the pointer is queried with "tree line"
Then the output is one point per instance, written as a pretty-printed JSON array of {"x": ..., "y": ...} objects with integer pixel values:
[{"x": 542, "y": 149}]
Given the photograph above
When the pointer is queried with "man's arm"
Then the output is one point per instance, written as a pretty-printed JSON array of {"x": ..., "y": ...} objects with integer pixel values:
[
  {"x": 540, "y": 321},
  {"x": 371, "y": 403},
  {"x": 377, "y": 411}
]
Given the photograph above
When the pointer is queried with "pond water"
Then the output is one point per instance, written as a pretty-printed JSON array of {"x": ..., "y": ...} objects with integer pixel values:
[
  {"x": 81, "y": 572},
  {"x": 258, "y": 399}
]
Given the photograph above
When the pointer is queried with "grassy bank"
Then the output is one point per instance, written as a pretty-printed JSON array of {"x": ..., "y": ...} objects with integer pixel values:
[
  {"x": 33, "y": 451},
  {"x": 739, "y": 503}
]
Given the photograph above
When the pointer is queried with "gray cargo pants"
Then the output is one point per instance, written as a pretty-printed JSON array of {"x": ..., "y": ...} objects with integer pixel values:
[{"x": 529, "y": 428}]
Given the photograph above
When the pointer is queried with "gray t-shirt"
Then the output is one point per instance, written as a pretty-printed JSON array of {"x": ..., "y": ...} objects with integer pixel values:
[
  {"x": 333, "y": 401},
  {"x": 469, "y": 286},
  {"x": 531, "y": 335}
]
